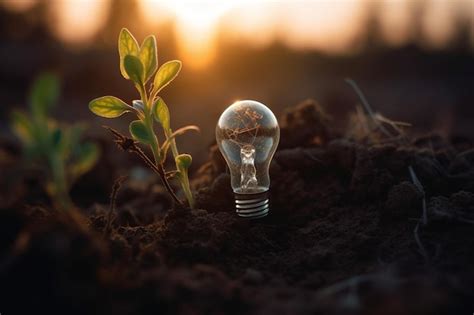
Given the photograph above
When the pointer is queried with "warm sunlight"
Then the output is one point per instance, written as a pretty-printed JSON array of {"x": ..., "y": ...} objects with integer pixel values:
[
  {"x": 196, "y": 25},
  {"x": 330, "y": 26},
  {"x": 300, "y": 25},
  {"x": 76, "y": 21}
]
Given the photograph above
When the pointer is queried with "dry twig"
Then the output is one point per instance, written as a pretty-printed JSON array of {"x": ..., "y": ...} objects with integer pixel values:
[
  {"x": 113, "y": 198},
  {"x": 127, "y": 144}
]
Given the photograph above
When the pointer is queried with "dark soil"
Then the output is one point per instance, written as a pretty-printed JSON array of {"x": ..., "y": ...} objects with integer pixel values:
[{"x": 347, "y": 234}]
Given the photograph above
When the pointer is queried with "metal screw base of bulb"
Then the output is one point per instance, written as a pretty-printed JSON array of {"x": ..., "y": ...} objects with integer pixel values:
[{"x": 252, "y": 206}]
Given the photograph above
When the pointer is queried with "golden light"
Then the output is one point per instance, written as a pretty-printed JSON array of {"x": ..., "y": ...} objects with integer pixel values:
[
  {"x": 196, "y": 25},
  {"x": 154, "y": 12},
  {"x": 252, "y": 23},
  {"x": 396, "y": 26},
  {"x": 438, "y": 23},
  {"x": 77, "y": 21},
  {"x": 325, "y": 25}
]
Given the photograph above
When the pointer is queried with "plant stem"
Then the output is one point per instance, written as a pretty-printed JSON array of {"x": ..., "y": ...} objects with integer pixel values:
[
  {"x": 187, "y": 190},
  {"x": 158, "y": 168},
  {"x": 141, "y": 89},
  {"x": 184, "y": 179},
  {"x": 155, "y": 146},
  {"x": 174, "y": 148},
  {"x": 60, "y": 193},
  {"x": 167, "y": 184}
]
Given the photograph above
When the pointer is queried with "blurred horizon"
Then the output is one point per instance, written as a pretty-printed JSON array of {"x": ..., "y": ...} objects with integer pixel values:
[
  {"x": 333, "y": 27},
  {"x": 414, "y": 60}
]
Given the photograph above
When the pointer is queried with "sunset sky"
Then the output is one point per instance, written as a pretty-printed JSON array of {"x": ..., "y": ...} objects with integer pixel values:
[{"x": 328, "y": 25}]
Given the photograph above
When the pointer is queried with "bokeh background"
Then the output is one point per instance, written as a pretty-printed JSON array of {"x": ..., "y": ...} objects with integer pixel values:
[{"x": 414, "y": 59}]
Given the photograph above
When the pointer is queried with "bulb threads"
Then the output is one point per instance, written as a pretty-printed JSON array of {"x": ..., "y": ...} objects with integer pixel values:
[{"x": 252, "y": 206}]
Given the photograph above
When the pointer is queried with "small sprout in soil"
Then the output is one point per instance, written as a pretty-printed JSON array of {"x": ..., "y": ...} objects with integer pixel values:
[
  {"x": 56, "y": 149},
  {"x": 139, "y": 64}
]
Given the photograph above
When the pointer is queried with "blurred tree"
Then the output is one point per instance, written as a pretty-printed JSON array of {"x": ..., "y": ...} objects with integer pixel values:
[
  {"x": 417, "y": 10},
  {"x": 372, "y": 26},
  {"x": 463, "y": 38}
]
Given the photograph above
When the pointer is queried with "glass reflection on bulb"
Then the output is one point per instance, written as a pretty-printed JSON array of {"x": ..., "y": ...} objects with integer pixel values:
[{"x": 247, "y": 134}]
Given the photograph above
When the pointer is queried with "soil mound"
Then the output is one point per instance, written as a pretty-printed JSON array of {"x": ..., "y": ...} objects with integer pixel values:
[{"x": 350, "y": 231}]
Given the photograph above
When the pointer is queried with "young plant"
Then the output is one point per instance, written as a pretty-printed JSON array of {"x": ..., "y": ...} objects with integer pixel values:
[
  {"x": 139, "y": 64},
  {"x": 54, "y": 148}
]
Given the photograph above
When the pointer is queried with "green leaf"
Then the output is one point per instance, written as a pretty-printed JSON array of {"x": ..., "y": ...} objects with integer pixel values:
[
  {"x": 108, "y": 107},
  {"x": 162, "y": 113},
  {"x": 21, "y": 126},
  {"x": 183, "y": 162},
  {"x": 180, "y": 131},
  {"x": 149, "y": 57},
  {"x": 127, "y": 45},
  {"x": 134, "y": 68},
  {"x": 139, "y": 132},
  {"x": 166, "y": 73},
  {"x": 85, "y": 160},
  {"x": 44, "y": 94}
]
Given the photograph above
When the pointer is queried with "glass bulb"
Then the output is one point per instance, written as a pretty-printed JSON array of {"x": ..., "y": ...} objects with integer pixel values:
[{"x": 247, "y": 135}]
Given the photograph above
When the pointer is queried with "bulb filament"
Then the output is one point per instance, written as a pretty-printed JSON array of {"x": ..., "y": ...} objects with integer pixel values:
[{"x": 248, "y": 172}]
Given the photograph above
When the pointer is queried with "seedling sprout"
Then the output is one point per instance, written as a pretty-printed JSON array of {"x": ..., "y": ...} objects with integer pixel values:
[
  {"x": 54, "y": 148},
  {"x": 139, "y": 64}
]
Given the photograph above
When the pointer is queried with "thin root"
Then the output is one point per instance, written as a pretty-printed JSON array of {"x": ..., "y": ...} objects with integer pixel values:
[{"x": 113, "y": 199}]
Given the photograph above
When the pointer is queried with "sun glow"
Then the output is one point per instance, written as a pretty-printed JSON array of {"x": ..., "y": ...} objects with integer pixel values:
[
  {"x": 76, "y": 21},
  {"x": 335, "y": 26},
  {"x": 196, "y": 25}
]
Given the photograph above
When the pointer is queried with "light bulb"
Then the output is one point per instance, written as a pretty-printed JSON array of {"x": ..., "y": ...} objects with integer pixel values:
[{"x": 247, "y": 135}]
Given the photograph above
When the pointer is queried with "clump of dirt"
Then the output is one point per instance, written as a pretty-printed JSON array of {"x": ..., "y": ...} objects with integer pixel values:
[
  {"x": 349, "y": 232},
  {"x": 307, "y": 124}
]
